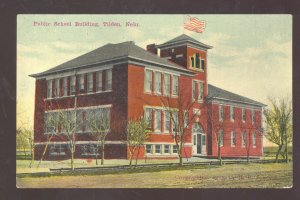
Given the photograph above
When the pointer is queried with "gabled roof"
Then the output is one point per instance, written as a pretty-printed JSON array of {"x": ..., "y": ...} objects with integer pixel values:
[
  {"x": 184, "y": 39},
  {"x": 111, "y": 53},
  {"x": 220, "y": 94}
]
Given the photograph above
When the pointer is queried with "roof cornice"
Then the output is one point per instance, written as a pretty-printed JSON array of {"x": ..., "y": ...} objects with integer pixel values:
[
  {"x": 202, "y": 46},
  {"x": 118, "y": 60},
  {"x": 218, "y": 99}
]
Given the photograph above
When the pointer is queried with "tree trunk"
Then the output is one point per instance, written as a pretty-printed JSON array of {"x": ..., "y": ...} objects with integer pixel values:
[
  {"x": 44, "y": 152},
  {"x": 97, "y": 154},
  {"x": 97, "y": 150},
  {"x": 277, "y": 154},
  {"x": 130, "y": 159},
  {"x": 32, "y": 154},
  {"x": 102, "y": 153},
  {"x": 219, "y": 156},
  {"x": 136, "y": 159},
  {"x": 72, "y": 157},
  {"x": 286, "y": 148}
]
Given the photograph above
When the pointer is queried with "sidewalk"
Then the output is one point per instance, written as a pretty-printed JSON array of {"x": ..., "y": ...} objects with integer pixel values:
[{"x": 22, "y": 166}]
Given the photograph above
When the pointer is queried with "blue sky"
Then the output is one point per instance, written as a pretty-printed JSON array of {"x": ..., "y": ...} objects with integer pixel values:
[{"x": 252, "y": 54}]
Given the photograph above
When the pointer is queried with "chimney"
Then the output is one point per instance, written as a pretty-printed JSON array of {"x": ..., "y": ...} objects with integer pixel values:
[{"x": 152, "y": 48}]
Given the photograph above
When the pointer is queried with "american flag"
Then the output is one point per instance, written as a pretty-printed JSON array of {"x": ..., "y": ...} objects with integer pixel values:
[{"x": 194, "y": 24}]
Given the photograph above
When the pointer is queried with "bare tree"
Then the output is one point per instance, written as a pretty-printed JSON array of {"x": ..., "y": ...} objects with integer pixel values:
[
  {"x": 67, "y": 121},
  {"x": 278, "y": 120},
  {"x": 25, "y": 141},
  {"x": 51, "y": 129},
  {"x": 99, "y": 125},
  {"x": 181, "y": 115},
  {"x": 63, "y": 124},
  {"x": 137, "y": 135},
  {"x": 217, "y": 125}
]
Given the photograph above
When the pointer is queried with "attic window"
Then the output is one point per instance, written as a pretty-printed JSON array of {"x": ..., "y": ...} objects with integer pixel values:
[
  {"x": 192, "y": 62},
  {"x": 197, "y": 61},
  {"x": 202, "y": 64}
]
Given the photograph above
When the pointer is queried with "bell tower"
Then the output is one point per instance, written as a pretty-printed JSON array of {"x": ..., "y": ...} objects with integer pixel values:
[{"x": 188, "y": 53}]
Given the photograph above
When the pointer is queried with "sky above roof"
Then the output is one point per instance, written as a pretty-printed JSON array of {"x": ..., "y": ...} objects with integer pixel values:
[{"x": 251, "y": 55}]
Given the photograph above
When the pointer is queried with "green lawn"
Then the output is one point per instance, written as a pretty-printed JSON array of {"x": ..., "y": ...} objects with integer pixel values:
[{"x": 274, "y": 175}]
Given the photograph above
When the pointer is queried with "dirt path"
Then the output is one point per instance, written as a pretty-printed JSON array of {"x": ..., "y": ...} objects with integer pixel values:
[{"x": 229, "y": 176}]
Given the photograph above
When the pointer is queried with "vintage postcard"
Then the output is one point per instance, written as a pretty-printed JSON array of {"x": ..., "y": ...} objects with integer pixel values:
[{"x": 154, "y": 101}]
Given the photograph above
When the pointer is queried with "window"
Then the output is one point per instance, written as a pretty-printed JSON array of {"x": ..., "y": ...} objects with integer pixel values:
[
  {"x": 157, "y": 82},
  {"x": 57, "y": 150},
  {"x": 233, "y": 142},
  {"x": 73, "y": 85},
  {"x": 203, "y": 139},
  {"x": 192, "y": 62},
  {"x": 243, "y": 114},
  {"x": 221, "y": 138},
  {"x": 175, "y": 149},
  {"x": 221, "y": 112},
  {"x": 175, "y": 121},
  {"x": 254, "y": 140},
  {"x": 108, "y": 79},
  {"x": 194, "y": 90},
  {"x": 79, "y": 121},
  {"x": 253, "y": 115},
  {"x": 148, "y": 148},
  {"x": 232, "y": 114},
  {"x": 243, "y": 139},
  {"x": 167, "y": 84},
  {"x": 197, "y": 60},
  {"x": 49, "y": 88},
  {"x": 202, "y": 64},
  {"x": 148, "y": 116},
  {"x": 186, "y": 119},
  {"x": 200, "y": 91},
  {"x": 81, "y": 83},
  {"x": 197, "y": 87},
  {"x": 175, "y": 85},
  {"x": 148, "y": 81},
  {"x": 99, "y": 81},
  {"x": 157, "y": 127},
  {"x": 56, "y": 88},
  {"x": 89, "y": 149},
  {"x": 90, "y": 82},
  {"x": 166, "y": 149},
  {"x": 158, "y": 148},
  {"x": 49, "y": 122},
  {"x": 167, "y": 121},
  {"x": 64, "y": 86}
]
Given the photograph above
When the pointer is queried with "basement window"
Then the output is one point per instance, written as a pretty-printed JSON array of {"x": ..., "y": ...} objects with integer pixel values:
[{"x": 57, "y": 150}]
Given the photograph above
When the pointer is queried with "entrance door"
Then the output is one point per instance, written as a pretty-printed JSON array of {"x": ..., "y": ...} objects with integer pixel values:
[
  {"x": 199, "y": 144},
  {"x": 199, "y": 140}
]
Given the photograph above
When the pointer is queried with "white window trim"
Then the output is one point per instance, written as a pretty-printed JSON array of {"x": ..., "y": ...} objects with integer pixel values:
[
  {"x": 231, "y": 138},
  {"x": 166, "y": 131},
  {"x": 221, "y": 144},
  {"x": 155, "y": 122},
  {"x": 243, "y": 145},
  {"x": 231, "y": 108},
  {"x": 157, "y": 92},
  {"x": 145, "y": 82},
  {"x": 254, "y": 140},
  {"x": 172, "y": 94},
  {"x": 221, "y": 116},
  {"x": 198, "y": 83},
  {"x": 243, "y": 110}
]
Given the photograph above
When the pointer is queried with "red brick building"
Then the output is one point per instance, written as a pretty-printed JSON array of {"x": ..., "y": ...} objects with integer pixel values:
[{"x": 128, "y": 81}]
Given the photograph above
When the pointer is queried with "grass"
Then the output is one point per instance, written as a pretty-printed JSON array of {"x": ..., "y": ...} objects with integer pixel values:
[{"x": 271, "y": 175}]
